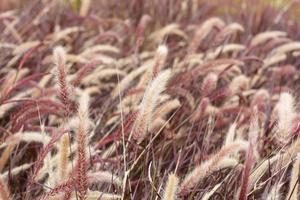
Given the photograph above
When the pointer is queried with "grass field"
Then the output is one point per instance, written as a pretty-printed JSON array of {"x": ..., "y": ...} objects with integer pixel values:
[{"x": 149, "y": 100}]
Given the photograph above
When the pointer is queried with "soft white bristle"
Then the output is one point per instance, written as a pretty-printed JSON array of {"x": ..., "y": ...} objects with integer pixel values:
[
  {"x": 275, "y": 194},
  {"x": 162, "y": 50},
  {"x": 171, "y": 187},
  {"x": 285, "y": 109},
  {"x": 84, "y": 104},
  {"x": 59, "y": 56}
]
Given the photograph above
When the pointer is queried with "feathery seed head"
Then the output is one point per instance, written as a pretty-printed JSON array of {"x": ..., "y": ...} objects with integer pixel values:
[
  {"x": 216, "y": 162},
  {"x": 148, "y": 104},
  {"x": 171, "y": 187},
  {"x": 285, "y": 109},
  {"x": 160, "y": 59},
  {"x": 84, "y": 105},
  {"x": 59, "y": 56}
]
